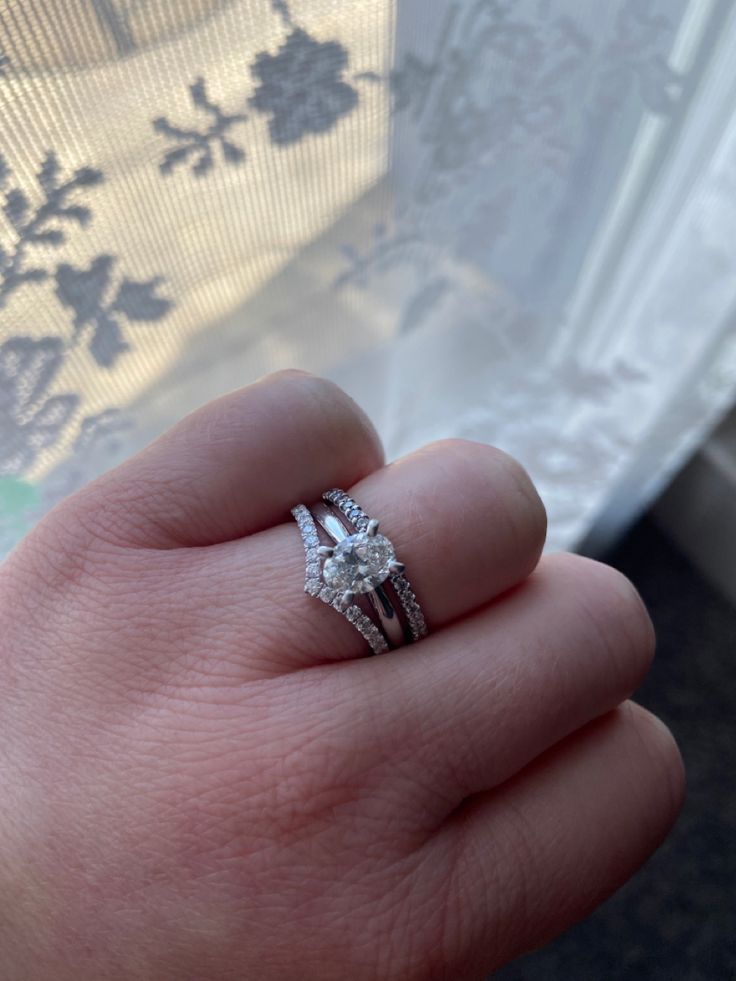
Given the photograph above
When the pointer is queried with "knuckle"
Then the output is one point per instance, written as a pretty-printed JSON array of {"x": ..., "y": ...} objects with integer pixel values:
[
  {"x": 316, "y": 401},
  {"x": 477, "y": 456},
  {"x": 499, "y": 481},
  {"x": 286, "y": 375},
  {"x": 306, "y": 387},
  {"x": 613, "y": 611},
  {"x": 526, "y": 511},
  {"x": 465, "y": 452},
  {"x": 662, "y": 755},
  {"x": 296, "y": 394}
]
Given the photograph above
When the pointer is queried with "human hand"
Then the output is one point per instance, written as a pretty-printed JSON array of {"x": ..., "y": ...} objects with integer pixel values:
[{"x": 204, "y": 779}]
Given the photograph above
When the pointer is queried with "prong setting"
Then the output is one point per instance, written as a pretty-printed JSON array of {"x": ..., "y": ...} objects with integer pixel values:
[
  {"x": 396, "y": 566},
  {"x": 372, "y": 528},
  {"x": 359, "y": 519},
  {"x": 326, "y": 551},
  {"x": 314, "y": 586},
  {"x": 358, "y": 563}
]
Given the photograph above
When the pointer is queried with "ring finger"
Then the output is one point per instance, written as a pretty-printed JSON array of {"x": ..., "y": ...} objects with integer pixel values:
[{"x": 463, "y": 517}]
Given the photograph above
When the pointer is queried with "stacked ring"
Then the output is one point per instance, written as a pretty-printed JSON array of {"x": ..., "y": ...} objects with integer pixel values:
[{"x": 358, "y": 561}]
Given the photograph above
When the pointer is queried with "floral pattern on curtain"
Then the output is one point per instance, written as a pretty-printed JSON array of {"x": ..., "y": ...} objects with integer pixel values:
[{"x": 507, "y": 221}]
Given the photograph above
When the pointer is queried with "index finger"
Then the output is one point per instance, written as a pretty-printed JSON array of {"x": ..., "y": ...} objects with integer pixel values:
[{"x": 235, "y": 466}]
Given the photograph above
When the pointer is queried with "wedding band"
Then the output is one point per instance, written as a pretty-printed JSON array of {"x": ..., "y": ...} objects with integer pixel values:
[{"x": 360, "y": 562}]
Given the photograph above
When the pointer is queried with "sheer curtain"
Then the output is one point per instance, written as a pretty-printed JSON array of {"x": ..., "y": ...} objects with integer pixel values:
[{"x": 511, "y": 221}]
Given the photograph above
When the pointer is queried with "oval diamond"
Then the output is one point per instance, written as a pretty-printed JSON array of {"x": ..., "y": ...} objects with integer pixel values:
[{"x": 359, "y": 563}]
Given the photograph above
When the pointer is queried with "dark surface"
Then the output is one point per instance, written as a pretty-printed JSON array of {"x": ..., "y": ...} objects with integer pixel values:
[{"x": 676, "y": 919}]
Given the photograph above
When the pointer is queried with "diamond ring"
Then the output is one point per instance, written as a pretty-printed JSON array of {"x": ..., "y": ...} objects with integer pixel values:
[
  {"x": 358, "y": 562},
  {"x": 359, "y": 566}
]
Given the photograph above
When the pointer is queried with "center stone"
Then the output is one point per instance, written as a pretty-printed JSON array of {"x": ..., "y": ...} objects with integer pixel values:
[{"x": 359, "y": 563}]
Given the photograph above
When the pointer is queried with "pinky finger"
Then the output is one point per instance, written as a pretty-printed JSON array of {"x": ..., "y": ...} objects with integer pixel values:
[{"x": 531, "y": 858}]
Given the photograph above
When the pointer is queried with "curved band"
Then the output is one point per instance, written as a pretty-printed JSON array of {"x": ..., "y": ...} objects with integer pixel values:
[{"x": 315, "y": 587}]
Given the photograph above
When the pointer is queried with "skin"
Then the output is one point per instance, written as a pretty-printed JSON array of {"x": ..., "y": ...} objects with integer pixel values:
[{"x": 204, "y": 779}]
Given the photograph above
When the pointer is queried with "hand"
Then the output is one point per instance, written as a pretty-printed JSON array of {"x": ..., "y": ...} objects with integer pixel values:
[{"x": 203, "y": 778}]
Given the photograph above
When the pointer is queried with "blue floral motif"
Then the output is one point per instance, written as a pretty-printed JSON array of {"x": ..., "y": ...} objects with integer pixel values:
[
  {"x": 302, "y": 88},
  {"x": 104, "y": 430},
  {"x": 84, "y": 291},
  {"x": 41, "y": 224},
  {"x": 198, "y": 144},
  {"x": 281, "y": 8},
  {"x": 411, "y": 83},
  {"x": 30, "y": 418}
]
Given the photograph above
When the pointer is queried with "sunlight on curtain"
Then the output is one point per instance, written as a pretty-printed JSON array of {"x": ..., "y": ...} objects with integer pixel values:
[{"x": 507, "y": 221}]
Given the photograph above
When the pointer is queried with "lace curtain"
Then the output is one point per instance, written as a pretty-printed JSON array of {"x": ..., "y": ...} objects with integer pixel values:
[{"x": 511, "y": 221}]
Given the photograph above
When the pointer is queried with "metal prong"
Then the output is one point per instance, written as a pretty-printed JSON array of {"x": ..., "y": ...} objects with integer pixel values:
[
  {"x": 346, "y": 599},
  {"x": 326, "y": 551},
  {"x": 396, "y": 566},
  {"x": 372, "y": 527}
]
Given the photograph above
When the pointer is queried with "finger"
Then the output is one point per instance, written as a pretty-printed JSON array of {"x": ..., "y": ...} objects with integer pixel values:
[
  {"x": 463, "y": 516},
  {"x": 235, "y": 466},
  {"x": 475, "y": 703},
  {"x": 521, "y": 864}
]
